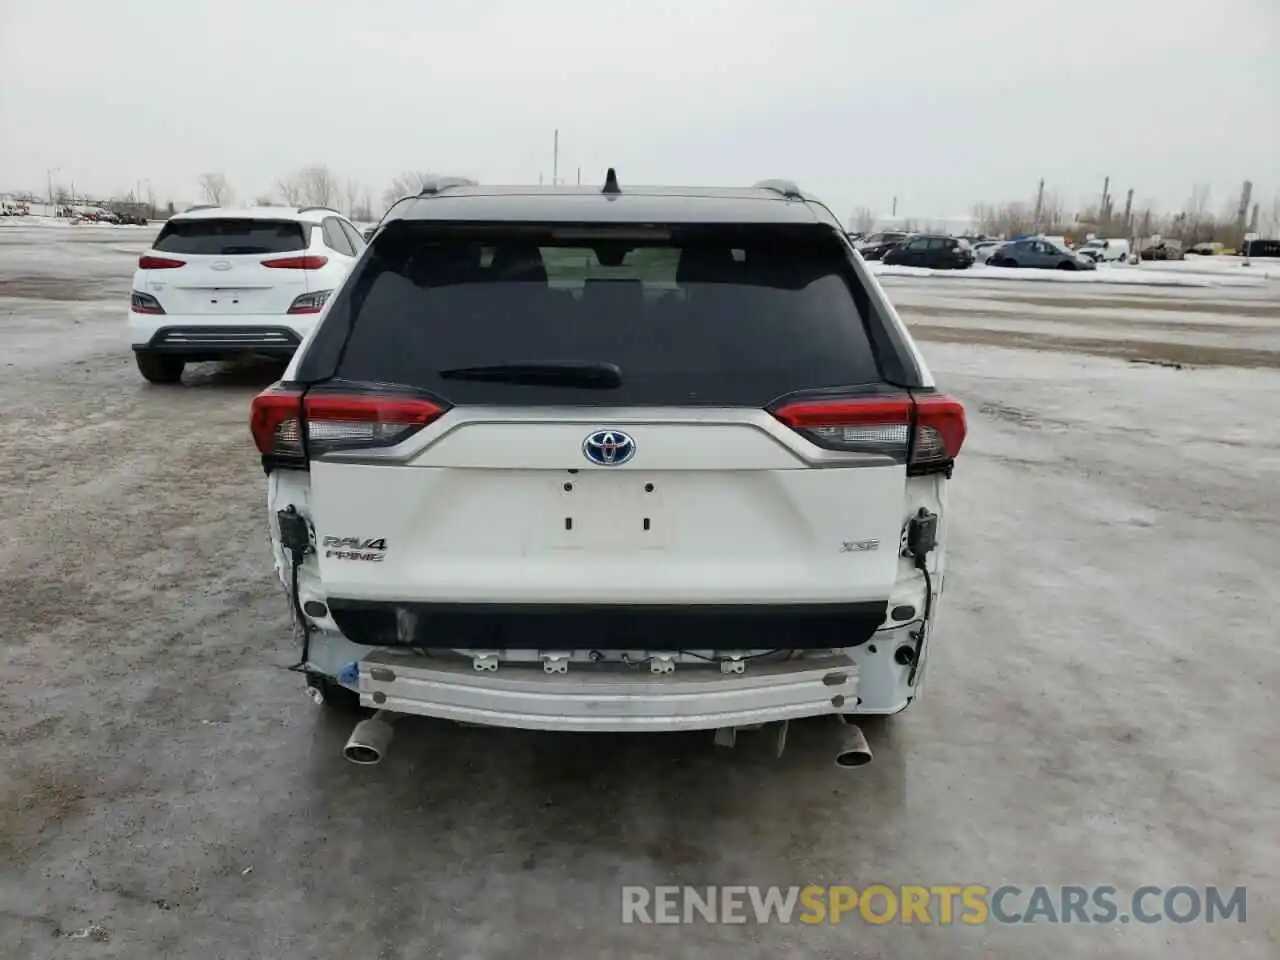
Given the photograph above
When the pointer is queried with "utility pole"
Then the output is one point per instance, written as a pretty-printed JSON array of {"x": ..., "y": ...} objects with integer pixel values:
[
  {"x": 555, "y": 160},
  {"x": 895, "y": 207},
  {"x": 1039, "y": 204},
  {"x": 1128, "y": 212},
  {"x": 1104, "y": 209},
  {"x": 1246, "y": 194},
  {"x": 49, "y": 176},
  {"x": 579, "y": 176}
]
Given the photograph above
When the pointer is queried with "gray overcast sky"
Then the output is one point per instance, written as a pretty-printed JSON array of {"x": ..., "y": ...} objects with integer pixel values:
[{"x": 942, "y": 103}]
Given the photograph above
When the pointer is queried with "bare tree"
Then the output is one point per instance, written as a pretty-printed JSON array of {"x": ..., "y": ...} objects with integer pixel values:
[
  {"x": 290, "y": 188},
  {"x": 319, "y": 186},
  {"x": 863, "y": 220},
  {"x": 1052, "y": 217},
  {"x": 351, "y": 197},
  {"x": 365, "y": 212},
  {"x": 983, "y": 216},
  {"x": 215, "y": 188},
  {"x": 1269, "y": 224},
  {"x": 1197, "y": 223},
  {"x": 61, "y": 196}
]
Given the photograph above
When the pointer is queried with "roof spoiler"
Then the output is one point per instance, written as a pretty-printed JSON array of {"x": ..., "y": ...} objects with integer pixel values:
[
  {"x": 431, "y": 187},
  {"x": 784, "y": 188}
]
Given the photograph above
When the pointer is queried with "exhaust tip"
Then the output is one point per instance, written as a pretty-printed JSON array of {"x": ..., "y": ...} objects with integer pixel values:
[
  {"x": 368, "y": 742},
  {"x": 361, "y": 753},
  {"x": 854, "y": 750},
  {"x": 853, "y": 758}
]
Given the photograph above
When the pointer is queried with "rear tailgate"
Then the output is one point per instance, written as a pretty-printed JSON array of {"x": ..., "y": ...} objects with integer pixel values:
[
  {"x": 219, "y": 267},
  {"x": 744, "y": 478},
  {"x": 720, "y": 507}
]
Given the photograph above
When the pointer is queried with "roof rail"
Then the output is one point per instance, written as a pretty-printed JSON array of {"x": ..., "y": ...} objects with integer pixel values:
[
  {"x": 786, "y": 188},
  {"x": 203, "y": 206},
  {"x": 318, "y": 206},
  {"x": 441, "y": 184}
]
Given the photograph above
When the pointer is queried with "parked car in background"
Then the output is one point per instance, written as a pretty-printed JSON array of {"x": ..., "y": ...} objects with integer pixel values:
[
  {"x": 1040, "y": 253},
  {"x": 1205, "y": 249},
  {"x": 878, "y": 244},
  {"x": 931, "y": 250},
  {"x": 1260, "y": 248},
  {"x": 1105, "y": 251},
  {"x": 985, "y": 248},
  {"x": 131, "y": 212},
  {"x": 219, "y": 283},
  {"x": 1163, "y": 250}
]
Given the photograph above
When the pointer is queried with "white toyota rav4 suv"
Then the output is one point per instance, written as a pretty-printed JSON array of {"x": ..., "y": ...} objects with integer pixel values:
[
  {"x": 218, "y": 283},
  {"x": 631, "y": 459}
]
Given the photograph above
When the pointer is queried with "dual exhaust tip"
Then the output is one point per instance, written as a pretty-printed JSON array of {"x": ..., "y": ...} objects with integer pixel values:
[
  {"x": 853, "y": 751},
  {"x": 371, "y": 739}
]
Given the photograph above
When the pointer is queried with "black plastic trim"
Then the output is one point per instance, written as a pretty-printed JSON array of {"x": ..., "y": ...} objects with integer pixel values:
[
  {"x": 222, "y": 341},
  {"x": 499, "y": 626}
]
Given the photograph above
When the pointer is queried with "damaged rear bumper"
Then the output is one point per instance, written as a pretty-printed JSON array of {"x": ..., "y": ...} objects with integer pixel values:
[{"x": 605, "y": 697}]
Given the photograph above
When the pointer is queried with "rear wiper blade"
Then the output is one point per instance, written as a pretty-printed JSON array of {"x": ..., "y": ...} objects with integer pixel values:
[{"x": 543, "y": 373}]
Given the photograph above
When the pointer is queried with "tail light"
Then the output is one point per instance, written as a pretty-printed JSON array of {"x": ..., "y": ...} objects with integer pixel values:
[
  {"x": 308, "y": 262},
  {"x": 334, "y": 421},
  {"x": 144, "y": 303},
  {"x": 925, "y": 432},
  {"x": 148, "y": 262},
  {"x": 309, "y": 302}
]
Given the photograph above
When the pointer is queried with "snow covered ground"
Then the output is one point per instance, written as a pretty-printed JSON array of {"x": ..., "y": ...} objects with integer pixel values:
[
  {"x": 1205, "y": 272},
  {"x": 14, "y": 222}
]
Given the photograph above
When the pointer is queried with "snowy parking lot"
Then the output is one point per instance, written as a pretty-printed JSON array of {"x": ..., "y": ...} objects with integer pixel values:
[{"x": 1101, "y": 706}]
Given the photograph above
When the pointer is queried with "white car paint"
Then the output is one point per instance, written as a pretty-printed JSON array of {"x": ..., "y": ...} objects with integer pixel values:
[
  {"x": 719, "y": 506},
  {"x": 1105, "y": 251},
  {"x": 211, "y": 291}
]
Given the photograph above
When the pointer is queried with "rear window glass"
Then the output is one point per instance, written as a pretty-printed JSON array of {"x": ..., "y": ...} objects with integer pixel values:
[
  {"x": 228, "y": 237},
  {"x": 695, "y": 316}
]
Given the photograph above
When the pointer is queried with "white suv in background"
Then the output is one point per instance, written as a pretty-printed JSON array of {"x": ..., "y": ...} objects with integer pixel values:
[
  {"x": 218, "y": 283},
  {"x": 1105, "y": 251},
  {"x": 638, "y": 459}
]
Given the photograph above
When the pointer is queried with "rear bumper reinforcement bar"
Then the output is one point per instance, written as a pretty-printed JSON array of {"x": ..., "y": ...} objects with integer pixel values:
[{"x": 604, "y": 697}]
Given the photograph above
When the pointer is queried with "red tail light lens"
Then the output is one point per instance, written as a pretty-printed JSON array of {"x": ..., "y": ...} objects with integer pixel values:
[
  {"x": 148, "y": 262},
  {"x": 273, "y": 420},
  {"x": 309, "y": 302},
  {"x": 856, "y": 426},
  {"x": 940, "y": 429},
  {"x": 335, "y": 421},
  {"x": 144, "y": 303},
  {"x": 308, "y": 262},
  {"x": 928, "y": 430}
]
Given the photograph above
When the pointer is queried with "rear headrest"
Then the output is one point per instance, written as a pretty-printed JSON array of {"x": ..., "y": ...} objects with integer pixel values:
[
  {"x": 443, "y": 264},
  {"x": 519, "y": 262},
  {"x": 706, "y": 265}
]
